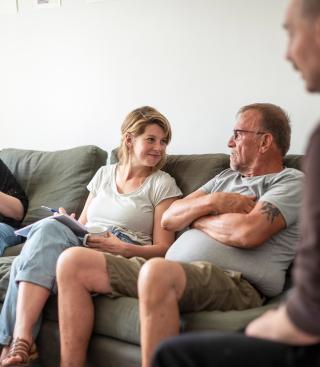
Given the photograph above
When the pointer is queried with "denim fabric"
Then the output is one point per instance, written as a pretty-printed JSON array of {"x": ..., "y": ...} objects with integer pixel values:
[
  {"x": 123, "y": 237},
  {"x": 7, "y": 237},
  {"x": 37, "y": 264}
]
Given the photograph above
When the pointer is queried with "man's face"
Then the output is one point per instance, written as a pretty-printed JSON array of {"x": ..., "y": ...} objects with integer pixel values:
[
  {"x": 245, "y": 144},
  {"x": 303, "y": 49}
]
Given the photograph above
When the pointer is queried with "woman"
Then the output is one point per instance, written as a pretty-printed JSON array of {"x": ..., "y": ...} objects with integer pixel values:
[
  {"x": 13, "y": 207},
  {"x": 127, "y": 198}
]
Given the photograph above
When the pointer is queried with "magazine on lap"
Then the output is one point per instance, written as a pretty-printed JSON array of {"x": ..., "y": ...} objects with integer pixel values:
[{"x": 77, "y": 228}]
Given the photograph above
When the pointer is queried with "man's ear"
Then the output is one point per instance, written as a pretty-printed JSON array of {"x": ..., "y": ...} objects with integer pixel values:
[{"x": 266, "y": 142}]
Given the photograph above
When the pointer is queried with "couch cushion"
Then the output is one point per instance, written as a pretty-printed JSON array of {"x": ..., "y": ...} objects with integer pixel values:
[
  {"x": 54, "y": 178},
  {"x": 13, "y": 250},
  {"x": 118, "y": 318},
  {"x": 294, "y": 161},
  {"x": 5, "y": 267},
  {"x": 194, "y": 170}
]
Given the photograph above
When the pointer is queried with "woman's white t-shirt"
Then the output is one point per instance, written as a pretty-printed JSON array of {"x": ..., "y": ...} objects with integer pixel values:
[{"x": 131, "y": 213}]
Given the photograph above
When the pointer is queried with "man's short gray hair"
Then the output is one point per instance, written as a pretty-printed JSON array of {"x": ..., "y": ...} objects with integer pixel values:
[{"x": 275, "y": 121}]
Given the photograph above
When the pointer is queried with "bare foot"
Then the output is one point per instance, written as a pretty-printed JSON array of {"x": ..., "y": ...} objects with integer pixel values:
[
  {"x": 20, "y": 351},
  {"x": 12, "y": 361},
  {"x": 4, "y": 352}
]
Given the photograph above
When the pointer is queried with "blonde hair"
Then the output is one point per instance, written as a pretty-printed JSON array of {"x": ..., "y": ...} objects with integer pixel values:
[{"x": 135, "y": 123}]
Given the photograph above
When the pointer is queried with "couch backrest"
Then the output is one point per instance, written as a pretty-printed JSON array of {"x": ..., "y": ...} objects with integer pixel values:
[
  {"x": 191, "y": 171},
  {"x": 194, "y": 170},
  {"x": 294, "y": 161},
  {"x": 56, "y": 178}
]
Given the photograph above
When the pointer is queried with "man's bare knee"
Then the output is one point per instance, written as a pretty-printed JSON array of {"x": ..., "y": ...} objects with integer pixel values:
[{"x": 158, "y": 277}]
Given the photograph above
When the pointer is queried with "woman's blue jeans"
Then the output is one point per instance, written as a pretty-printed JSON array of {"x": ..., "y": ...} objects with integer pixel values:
[
  {"x": 37, "y": 264},
  {"x": 7, "y": 237}
]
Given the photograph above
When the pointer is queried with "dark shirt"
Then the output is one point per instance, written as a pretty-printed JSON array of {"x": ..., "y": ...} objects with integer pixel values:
[
  {"x": 303, "y": 304},
  {"x": 10, "y": 186}
]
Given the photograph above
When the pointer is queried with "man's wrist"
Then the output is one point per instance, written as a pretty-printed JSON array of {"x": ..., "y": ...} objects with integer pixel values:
[{"x": 213, "y": 207}]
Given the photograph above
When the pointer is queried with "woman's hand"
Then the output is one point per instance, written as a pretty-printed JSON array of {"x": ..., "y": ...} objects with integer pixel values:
[
  {"x": 107, "y": 243},
  {"x": 63, "y": 211}
]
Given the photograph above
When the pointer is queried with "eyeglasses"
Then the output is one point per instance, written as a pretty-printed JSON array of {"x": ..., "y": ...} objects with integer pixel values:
[{"x": 236, "y": 132}]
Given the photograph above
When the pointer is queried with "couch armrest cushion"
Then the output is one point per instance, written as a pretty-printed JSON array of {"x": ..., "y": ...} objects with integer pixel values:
[{"x": 54, "y": 179}]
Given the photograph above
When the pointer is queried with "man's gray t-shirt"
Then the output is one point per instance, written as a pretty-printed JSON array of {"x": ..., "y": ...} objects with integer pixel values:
[{"x": 264, "y": 266}]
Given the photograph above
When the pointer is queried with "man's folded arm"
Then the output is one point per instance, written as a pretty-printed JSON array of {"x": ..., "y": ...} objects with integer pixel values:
[
  {"x": 243, "y": 230},
  {"x": 185, "y": 211}
]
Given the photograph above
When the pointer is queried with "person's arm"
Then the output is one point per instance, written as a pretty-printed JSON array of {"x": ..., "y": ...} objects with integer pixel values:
[
  {"x": 83, "y": 216},
  {"x": 13, "y": 200},
  {"x": 303, "y": 301},
  {"x": 162, "y": 239},
  {"x": 277, "y": 326},
  {"x": 198, "y": 204},
  {"x": 11, "y": 207},
  {"x": 243, "y": 230}
]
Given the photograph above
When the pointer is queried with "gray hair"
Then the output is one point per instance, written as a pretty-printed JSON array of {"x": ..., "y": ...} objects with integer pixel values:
[{"x": 275, "y": 121}]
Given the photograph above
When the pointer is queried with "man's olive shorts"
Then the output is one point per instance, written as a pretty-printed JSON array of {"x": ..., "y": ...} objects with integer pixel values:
[{"x": 208, "y": 287}]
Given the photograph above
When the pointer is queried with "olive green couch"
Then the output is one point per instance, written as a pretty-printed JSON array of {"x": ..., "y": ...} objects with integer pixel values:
[{"x": 59, "y": 179}]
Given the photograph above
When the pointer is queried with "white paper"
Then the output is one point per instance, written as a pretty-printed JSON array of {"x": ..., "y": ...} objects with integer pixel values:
[{"x": 76, "y": 227}]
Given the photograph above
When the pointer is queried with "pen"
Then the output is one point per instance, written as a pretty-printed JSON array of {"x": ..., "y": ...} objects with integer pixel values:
[{"x": 52, "y": 210}]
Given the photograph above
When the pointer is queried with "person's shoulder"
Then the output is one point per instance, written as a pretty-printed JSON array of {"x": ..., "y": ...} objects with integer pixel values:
[
  {"x": 314, "y": 141},
  {"x": 287, "y": 176},
  {"x": 161, "y": 176},
  {"x": 226, "y": 173},
  {"x": 107, "y": 169},
  {"x": 316, "y": 131},
  {"x": 160, "y": 173},
  {"x": 104, "y": 173},
  {"x": 3, "y": 166},
  {"x": 291, "y": 173}
]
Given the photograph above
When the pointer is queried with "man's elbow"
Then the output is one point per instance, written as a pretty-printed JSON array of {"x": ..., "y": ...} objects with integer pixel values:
[
  {"x": 18, "y": 215},
  {"x": 169, "y": 223},
  {"x": 250, "y": 239},
  {"x": 17, "y": 212}
]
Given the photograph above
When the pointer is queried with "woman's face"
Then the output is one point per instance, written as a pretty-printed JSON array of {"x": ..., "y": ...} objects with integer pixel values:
[{"x": 148, "y": 148}]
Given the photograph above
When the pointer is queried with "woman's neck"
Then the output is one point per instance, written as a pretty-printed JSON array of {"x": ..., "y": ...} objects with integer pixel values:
[
  {"x": 129, "y": 171},
  {"x": 130, "y": 178}
]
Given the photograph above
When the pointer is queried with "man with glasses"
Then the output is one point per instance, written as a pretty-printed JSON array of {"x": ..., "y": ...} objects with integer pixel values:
[{"x": 244, "y": 228}]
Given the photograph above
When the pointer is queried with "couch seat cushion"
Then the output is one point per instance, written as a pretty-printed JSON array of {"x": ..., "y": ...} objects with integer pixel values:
[{"x": 119, "y": 318}]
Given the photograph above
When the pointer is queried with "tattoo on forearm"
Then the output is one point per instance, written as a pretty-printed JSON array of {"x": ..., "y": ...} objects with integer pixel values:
[{"x": 271, "y": 211}]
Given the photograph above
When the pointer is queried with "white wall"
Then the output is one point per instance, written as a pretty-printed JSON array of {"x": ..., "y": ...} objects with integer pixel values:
[{"x": 69, "y": 75}]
